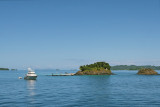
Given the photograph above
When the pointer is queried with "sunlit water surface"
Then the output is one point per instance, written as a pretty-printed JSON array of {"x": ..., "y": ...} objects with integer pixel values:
[{"x": 123, "y": 89}]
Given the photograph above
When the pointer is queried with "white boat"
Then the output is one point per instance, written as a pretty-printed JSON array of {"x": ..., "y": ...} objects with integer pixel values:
[
  {"x": 31, "y": 75},
  {"x": 20, "y": 77}
]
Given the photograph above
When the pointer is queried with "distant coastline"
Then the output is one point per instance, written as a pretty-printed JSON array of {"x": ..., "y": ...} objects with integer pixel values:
[
  {"x": 7, "y": 69},
  {"x": 116, "y": 67},
  {"x": 4, "y": 69},
  {"x": 133, "y": 67}
]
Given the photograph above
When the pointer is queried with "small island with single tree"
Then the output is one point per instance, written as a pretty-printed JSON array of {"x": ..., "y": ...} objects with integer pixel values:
[
  {"x": 98, "y": 68},
  {"x": 147, "y": 71}
]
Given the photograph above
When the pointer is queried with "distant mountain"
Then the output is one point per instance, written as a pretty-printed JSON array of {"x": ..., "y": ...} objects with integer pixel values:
[{"x": 133, "y": 67}]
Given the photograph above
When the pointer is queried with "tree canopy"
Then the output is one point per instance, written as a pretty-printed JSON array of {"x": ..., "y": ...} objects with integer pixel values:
[{"x": 95, "y": 66}]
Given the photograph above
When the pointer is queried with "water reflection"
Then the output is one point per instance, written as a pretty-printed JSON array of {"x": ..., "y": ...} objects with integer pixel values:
[
  {"x": 31, "y": 87},
  {"x": 98, "y": 80},
  {"x": 96, "y": 89},
  {"x": 31, "y": 91}
]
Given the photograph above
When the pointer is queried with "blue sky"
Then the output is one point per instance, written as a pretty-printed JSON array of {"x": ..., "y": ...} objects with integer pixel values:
[{"x": 65, "y": 34}]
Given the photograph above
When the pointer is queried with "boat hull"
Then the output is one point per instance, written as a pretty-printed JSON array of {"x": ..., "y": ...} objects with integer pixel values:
[{"x": 30, "y": 77}]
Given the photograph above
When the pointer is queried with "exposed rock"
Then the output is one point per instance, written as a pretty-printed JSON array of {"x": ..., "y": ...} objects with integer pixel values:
[
  {"x": 94, "y": 72},
  {"x": 147, "y": 71}
]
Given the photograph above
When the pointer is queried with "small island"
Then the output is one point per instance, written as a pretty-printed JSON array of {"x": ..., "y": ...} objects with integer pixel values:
[
  {"x": 4, "y": 69},
  {"x": 98, "y": 68},
  {"x": 147, "y": 71}
]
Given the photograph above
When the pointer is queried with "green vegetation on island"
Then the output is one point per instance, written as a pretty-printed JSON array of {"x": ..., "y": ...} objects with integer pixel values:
[
  {"x": 98, "y": 68},
  {"x": 4, "y": 69},
  {"x": 147, "y": 71},
  {"x": 133, "y": 67}
]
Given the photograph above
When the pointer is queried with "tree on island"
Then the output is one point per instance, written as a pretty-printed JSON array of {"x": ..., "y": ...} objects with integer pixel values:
[{"x": 98, "y": 68}]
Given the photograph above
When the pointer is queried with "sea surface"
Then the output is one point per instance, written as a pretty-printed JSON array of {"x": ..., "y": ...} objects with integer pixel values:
[{"x": 123, "y": 89}]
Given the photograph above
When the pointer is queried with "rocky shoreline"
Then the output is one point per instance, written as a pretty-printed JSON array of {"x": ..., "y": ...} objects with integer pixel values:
[{"x": 95, "y": 72}]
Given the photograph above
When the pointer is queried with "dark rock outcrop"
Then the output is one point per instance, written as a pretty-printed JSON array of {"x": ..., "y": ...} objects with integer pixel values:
[{"x": 147, "y": 71}]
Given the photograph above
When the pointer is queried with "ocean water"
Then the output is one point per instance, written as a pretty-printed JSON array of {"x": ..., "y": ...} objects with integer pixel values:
[{"x": 123, "y": 89}]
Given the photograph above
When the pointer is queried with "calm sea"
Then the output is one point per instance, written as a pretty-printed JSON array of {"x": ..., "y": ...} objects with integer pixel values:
[{"x": 124, "y": 89}]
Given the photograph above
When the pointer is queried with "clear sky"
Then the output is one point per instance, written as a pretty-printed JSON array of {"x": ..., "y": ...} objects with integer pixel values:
[{"x": 67, "y": 33}]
